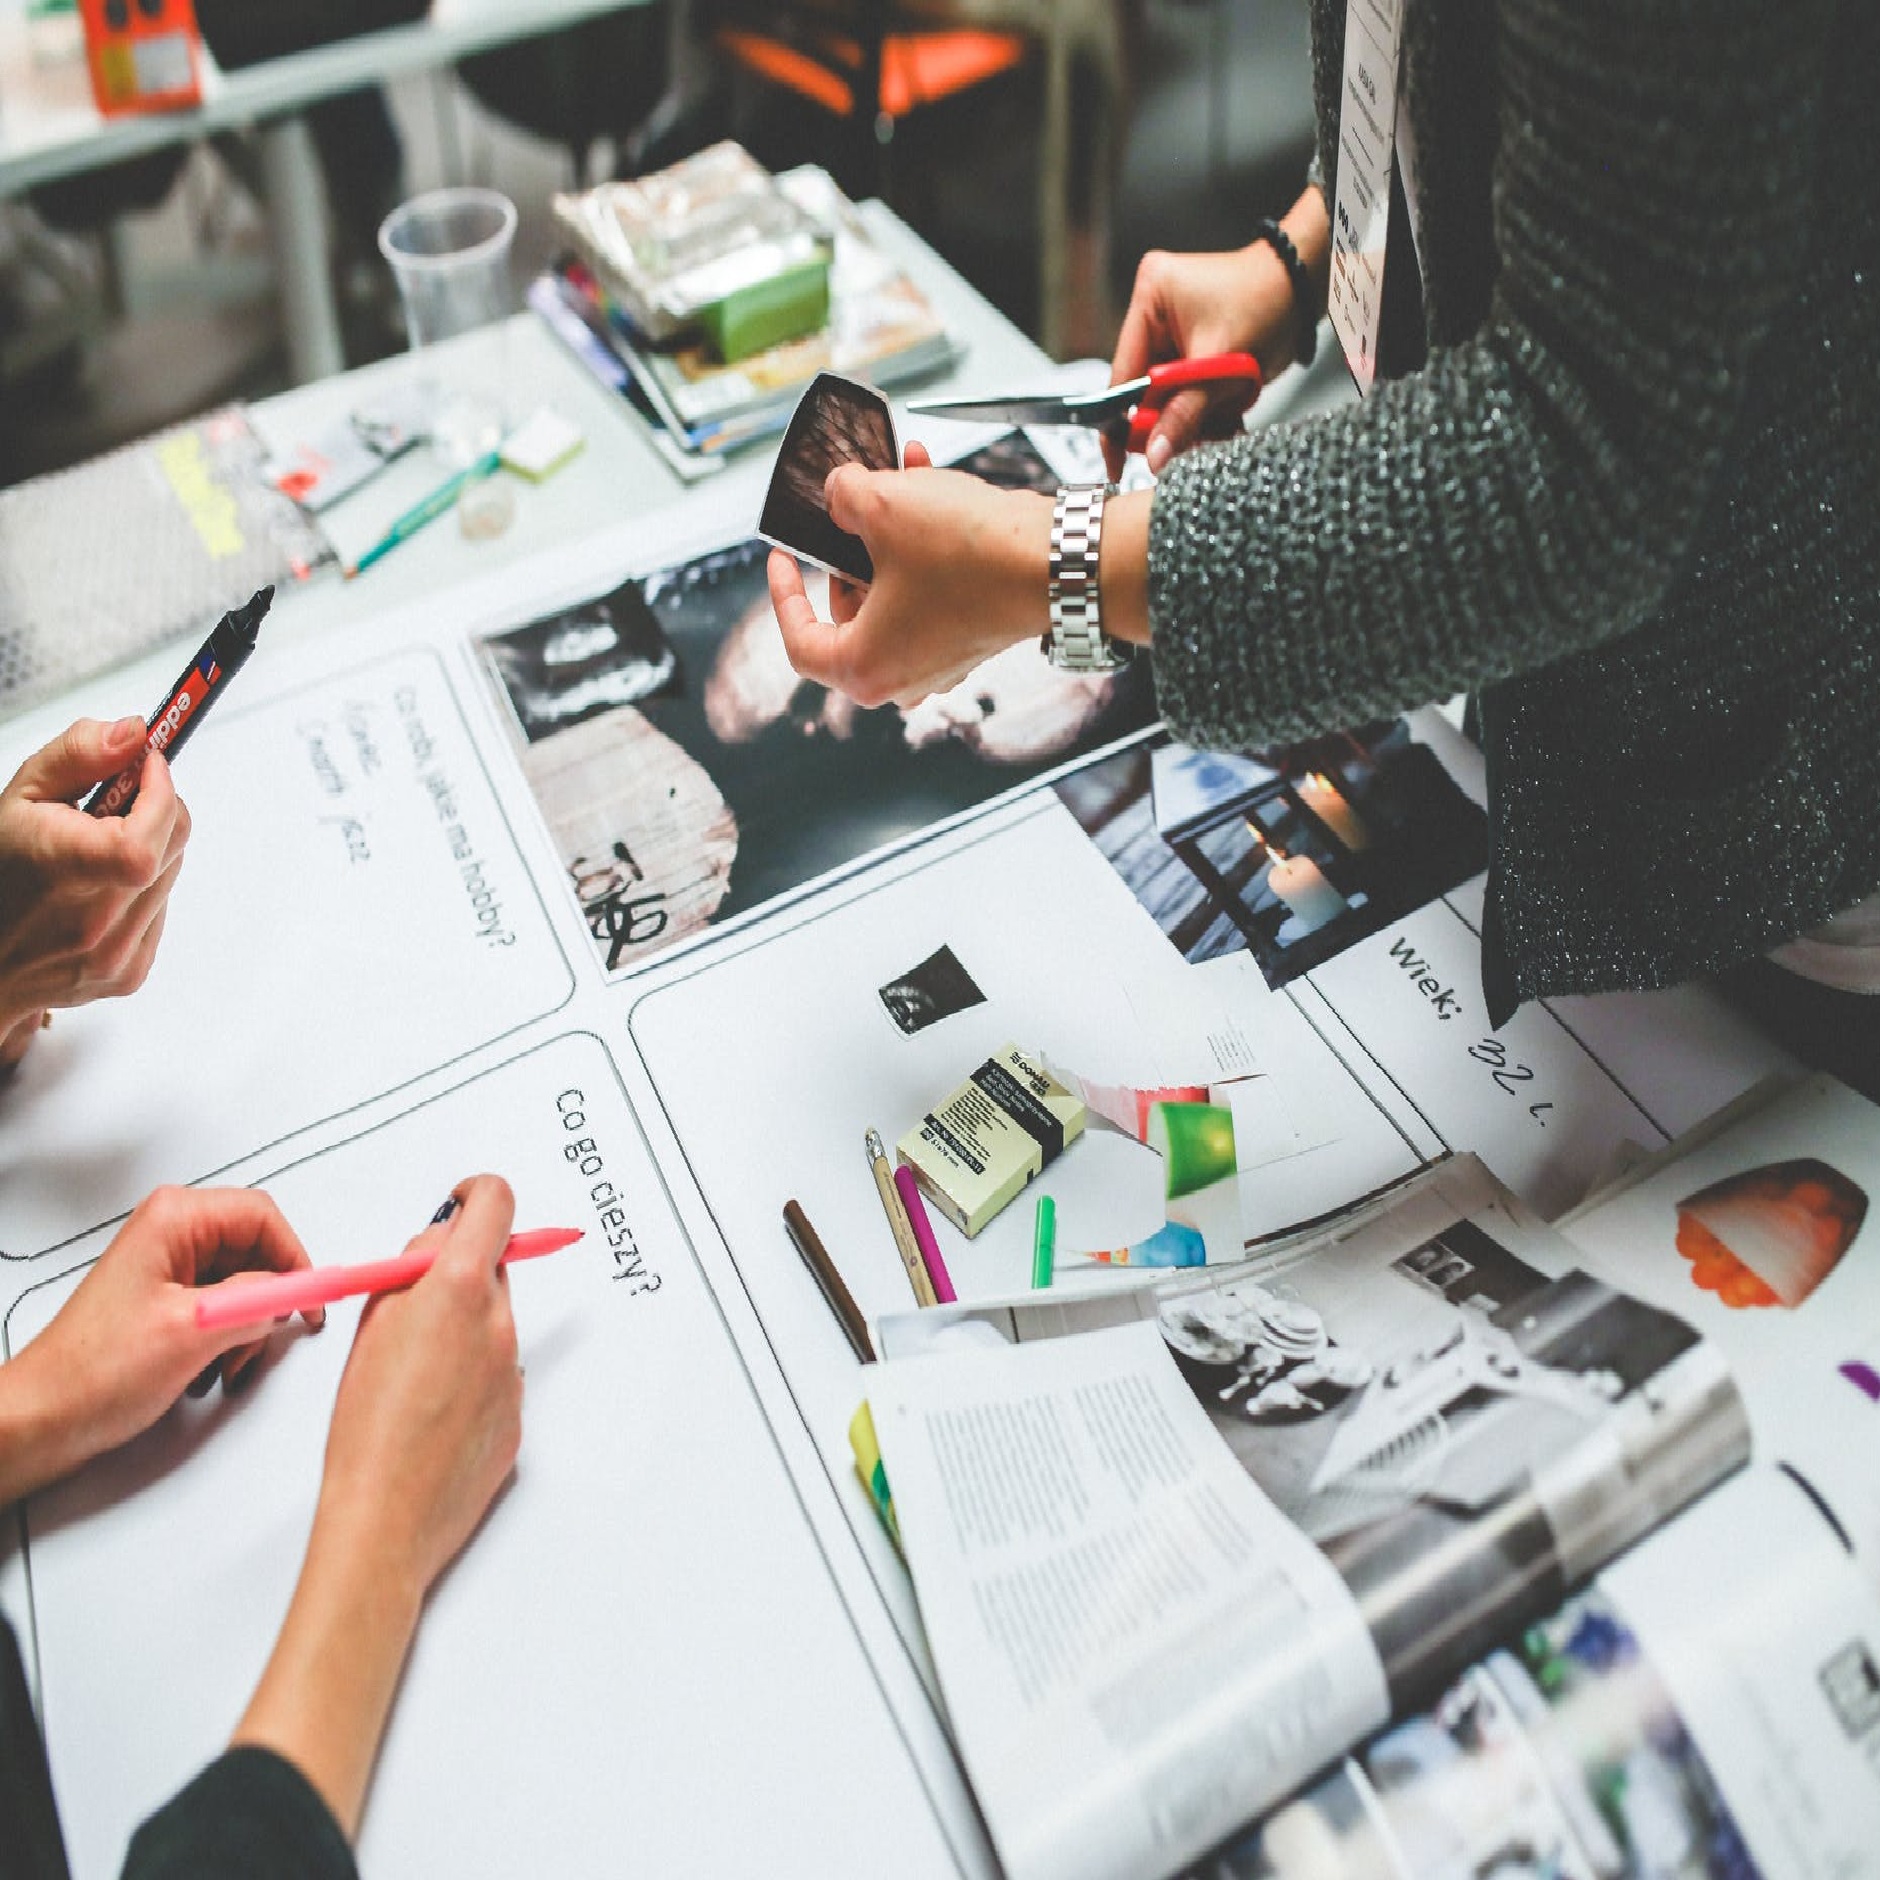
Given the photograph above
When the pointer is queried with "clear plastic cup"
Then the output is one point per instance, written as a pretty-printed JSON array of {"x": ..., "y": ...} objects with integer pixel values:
[{"x": 449, "y": 253}]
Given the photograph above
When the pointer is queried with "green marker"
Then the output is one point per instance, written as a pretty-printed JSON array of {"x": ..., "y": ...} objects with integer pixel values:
[
  {"x": 1043, "y": 1243},
  {"x": 433, "y": 506}
]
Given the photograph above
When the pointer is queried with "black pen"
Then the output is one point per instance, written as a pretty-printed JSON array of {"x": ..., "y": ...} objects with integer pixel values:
[{"x": 221, "y": 657}]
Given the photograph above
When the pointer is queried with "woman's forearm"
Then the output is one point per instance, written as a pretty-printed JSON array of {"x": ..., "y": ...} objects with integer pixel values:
[
  {"x": 323, "y": 1701},
  {"x": 41, "y": 1437}
]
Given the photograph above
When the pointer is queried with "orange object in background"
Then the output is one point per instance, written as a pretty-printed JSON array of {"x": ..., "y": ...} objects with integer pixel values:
[{"x": 145, "y": 55}]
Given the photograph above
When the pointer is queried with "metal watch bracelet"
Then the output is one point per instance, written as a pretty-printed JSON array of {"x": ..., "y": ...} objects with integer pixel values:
[{"x": 1075, "y": 641}]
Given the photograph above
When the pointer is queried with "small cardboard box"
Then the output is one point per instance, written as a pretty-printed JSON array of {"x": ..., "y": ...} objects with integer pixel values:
[{"x": 1009, "y": 1121}]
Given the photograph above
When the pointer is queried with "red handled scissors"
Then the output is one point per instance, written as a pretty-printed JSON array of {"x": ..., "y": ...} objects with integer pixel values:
[{"x": 1130, "y": 409}]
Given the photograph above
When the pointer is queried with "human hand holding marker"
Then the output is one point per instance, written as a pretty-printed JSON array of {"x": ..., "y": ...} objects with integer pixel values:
[
  {"x": 259, "y": 1299},
  {"x": 126, "y": 1345},
  {"x": 82, "y": 900},
  {"x": 425, "y": 1432}
]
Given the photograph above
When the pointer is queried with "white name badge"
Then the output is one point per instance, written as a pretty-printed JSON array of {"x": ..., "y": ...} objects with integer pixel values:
[{"x": 1367, "y": 128}]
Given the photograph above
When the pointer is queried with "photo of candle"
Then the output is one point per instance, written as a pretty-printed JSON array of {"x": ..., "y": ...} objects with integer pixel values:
[
  {"x": 1294, "y": 856},
  {"x": 1300, "y": 883},
  {"x": 1323, "y": 798}
]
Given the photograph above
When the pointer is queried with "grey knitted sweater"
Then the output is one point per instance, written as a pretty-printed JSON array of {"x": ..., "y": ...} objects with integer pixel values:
[{"x": 1632, "y": 500}]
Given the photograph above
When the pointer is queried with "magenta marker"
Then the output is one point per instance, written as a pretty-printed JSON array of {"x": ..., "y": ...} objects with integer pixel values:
[
  {"x": 221, "y": 657},
  {"x": 909, "y": 1190}
]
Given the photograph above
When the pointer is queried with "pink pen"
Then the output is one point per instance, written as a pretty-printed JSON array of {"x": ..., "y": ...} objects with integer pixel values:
[
  {"x": 909, "y": 1190},
  {"x": 255, "y": 1299}
]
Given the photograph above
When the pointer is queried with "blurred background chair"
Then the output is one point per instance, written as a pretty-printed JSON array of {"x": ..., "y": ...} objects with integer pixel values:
[
  {"x": 361, "y": 157},
  {"x": 591, "y": 88},
  {"x": 868, "y": 66}
]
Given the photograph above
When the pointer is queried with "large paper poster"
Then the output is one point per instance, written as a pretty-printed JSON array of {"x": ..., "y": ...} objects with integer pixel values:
[{"x": 640, "y": 1663}]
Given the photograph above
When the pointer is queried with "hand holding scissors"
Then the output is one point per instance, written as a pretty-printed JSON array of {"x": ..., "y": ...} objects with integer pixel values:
[{"x": 1124, "y": 413}]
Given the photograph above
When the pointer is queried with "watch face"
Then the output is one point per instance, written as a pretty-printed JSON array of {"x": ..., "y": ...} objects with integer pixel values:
[{"x": 836, "y": 421}]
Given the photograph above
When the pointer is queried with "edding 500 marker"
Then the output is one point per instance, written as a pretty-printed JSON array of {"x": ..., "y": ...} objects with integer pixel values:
[{"x": 221, "y": 657}]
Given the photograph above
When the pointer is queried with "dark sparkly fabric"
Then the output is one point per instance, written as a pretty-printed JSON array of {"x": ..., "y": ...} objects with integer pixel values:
[{"x": 1633, "y": 499}]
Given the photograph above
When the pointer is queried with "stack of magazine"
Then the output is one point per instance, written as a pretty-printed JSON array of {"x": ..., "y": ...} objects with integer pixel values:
[
  {"x": 1452, "y": 1544},
  {"x": 880, "y": 328},
  {"x": 710, "y": 243}
]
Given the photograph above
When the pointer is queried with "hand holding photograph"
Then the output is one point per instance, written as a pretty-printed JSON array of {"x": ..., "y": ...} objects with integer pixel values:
[{"x": 836, "y": 421}]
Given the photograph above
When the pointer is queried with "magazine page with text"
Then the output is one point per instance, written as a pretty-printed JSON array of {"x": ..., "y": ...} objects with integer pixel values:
[{"x": 1177, "y": 1548}]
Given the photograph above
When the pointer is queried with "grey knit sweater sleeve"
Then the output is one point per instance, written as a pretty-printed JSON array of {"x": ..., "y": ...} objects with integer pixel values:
[{"x": 1531, "y": 490}]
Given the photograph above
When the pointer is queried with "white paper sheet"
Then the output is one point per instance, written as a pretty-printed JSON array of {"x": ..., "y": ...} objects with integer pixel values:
[
  {"x": 641, "y": 1661},
  {"x": 353, "y": 912}
]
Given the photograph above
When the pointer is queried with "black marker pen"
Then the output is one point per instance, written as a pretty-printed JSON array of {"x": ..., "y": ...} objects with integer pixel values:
[{"x": 223, "y": 655}]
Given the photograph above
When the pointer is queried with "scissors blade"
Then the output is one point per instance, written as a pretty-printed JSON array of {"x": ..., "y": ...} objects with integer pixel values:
[{"x": 1047, "y": 410}]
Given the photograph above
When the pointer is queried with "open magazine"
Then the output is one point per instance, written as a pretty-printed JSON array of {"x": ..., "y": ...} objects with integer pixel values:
[
  {"x": 1178, "y": 1549},
  {"x": 1671, "y": 1719}
]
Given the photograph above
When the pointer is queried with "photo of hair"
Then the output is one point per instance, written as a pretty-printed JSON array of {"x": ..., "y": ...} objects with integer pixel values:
[
  {"x": 687, "y": 776},
  {"x": 837, "y": 421}
]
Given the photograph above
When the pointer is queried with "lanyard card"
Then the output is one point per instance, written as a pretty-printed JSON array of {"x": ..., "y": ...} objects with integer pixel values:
[{"x": 1367, "y": 126}]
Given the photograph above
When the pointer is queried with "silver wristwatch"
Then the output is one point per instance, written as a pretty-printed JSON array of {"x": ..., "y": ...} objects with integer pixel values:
[{"x": 1075, "y": 640}]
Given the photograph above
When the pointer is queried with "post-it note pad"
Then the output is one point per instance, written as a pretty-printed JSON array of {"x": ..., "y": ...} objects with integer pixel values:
[{"x": 543, "y": 442}]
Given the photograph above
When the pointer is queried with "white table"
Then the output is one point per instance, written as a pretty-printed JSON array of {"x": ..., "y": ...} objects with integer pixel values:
[
  {"x": 617, "y": 477},
  {"x": 50, "y": 128}
]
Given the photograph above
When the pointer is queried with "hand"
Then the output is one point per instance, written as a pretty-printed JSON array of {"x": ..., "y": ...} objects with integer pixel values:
[
  {"x": 82, "y": 898},
  {"x": 429, "y": 1416},
  {"x": 960, "y": 573},
  {"x": 425, "y": 1432},
  {"x": 126, "y": 1345},
  {"x": 1187, "y": 307}
]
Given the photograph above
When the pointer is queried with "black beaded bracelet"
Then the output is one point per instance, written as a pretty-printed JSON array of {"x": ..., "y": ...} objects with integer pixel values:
[{"x": 1306, "y": 341}]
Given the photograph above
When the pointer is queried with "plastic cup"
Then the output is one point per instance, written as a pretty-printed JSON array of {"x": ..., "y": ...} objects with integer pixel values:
[{"x": 449, "y": 251}]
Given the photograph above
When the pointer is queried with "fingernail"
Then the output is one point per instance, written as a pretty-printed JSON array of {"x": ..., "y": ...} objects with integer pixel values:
[
  {"x": 1158, "y": 453},
  {"x": 444, "y": 1213},
  {"x": 124, "y": 734}
]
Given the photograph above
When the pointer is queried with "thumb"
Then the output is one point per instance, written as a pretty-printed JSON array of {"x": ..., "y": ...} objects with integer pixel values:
[
  {"x": 1177, "y": 428},
  {"x": 478, "y": 1232},
  {"x": 80, "y": 756},
  {"x": 845, "y": 493}
]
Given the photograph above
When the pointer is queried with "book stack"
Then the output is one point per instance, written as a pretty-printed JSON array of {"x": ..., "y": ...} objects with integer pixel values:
[
  {"x": 700, "y": 398},
  {"x": 710, "y": 246}
]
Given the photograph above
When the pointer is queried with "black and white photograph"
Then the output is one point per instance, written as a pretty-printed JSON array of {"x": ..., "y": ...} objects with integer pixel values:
[
  {"x": 688, "y": 776},
  {"x": 925, "y": 994},
  {"x": 1421, "y": 1410},
  {"x": 1293, "y": 856},
  {"x": 835, "y": 422}
]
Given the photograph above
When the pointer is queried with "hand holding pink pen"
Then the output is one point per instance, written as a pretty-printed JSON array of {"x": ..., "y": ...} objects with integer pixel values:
[{"x": 256, "y": 1299}]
